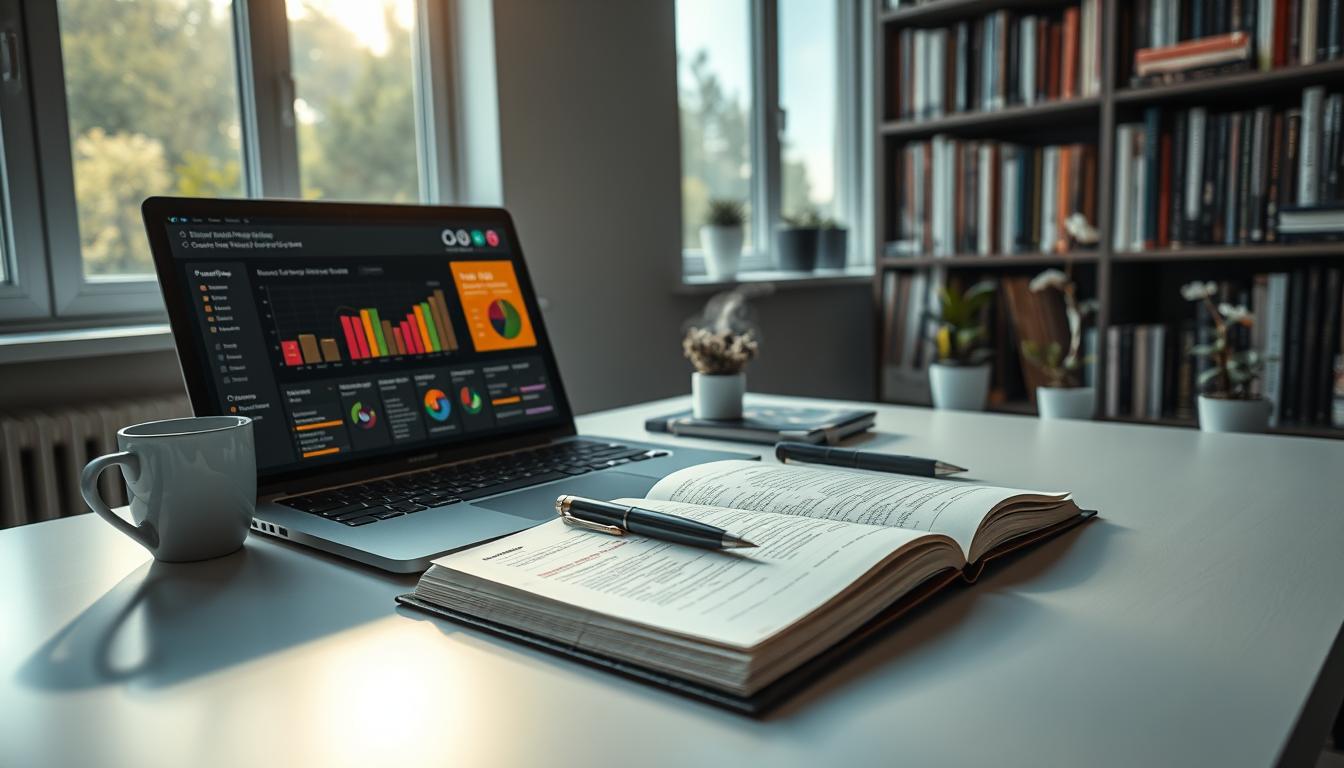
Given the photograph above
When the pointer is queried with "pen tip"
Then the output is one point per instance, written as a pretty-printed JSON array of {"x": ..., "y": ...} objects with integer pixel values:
[
  {"x": 733, "y": 542},
  {"x": 943, "y": 468}
]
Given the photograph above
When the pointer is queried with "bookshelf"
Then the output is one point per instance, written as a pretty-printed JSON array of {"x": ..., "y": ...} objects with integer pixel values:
[{"x": 1125, "y": 282}]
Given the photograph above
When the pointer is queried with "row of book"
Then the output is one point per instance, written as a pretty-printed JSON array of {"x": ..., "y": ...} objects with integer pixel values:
[
  {"x": 1298, "y": 333},
  {"x": 1180, "y": 39},
  {"x": 1001, "y": 59},
  {"x": 982, "y": 197},
  {"x": 1192, "y": 176}
]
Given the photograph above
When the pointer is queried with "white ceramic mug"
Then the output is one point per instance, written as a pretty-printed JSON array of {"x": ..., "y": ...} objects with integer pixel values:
[{"x": 192, "y": 484}]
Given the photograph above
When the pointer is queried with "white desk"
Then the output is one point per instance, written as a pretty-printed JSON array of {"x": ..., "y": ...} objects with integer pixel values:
[{"x": 1196, "y": 623}]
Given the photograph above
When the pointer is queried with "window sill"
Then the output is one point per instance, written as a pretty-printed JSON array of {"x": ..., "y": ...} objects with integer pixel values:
[
  {"x": 84, "y": 342},
  {"x": 780, "y": 279}
]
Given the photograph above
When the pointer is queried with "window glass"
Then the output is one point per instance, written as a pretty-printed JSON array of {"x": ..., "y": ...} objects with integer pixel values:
[
  {"x": 714, "y": 78},
  {"x": 152, "y": 94},
  {"x": 354, "y": 73},
  {"x": 809, "y": 77}
]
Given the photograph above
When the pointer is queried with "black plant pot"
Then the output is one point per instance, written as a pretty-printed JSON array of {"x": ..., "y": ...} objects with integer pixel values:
[
  {"x": 832, "y": 247},
  {"x": 796, "y": 248}
]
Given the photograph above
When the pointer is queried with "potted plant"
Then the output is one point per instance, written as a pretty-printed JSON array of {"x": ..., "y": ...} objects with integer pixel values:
[
  {"x": 796, "y": 242},
  {"x": 959, "y": 380},
  {"x": 1226, "y": 400},
  {"x": 719, "y": 355},
  {"x": 721, "y": 238},
  {"x": 1065, "y": 397},
  {"x": 832, "y": 245}
]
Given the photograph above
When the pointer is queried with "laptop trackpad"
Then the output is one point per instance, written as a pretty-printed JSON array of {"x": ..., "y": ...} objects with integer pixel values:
[{"x": 539, "y": 503}]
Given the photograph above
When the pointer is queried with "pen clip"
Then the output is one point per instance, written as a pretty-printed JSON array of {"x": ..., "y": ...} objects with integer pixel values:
[{"x": 578, "y": 522}]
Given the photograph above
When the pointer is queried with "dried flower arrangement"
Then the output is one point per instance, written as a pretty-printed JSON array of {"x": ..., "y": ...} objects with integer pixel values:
[
  {"x": 719, "y": 353},
  {"x": 1233, "y": 372},
  {"x": 1061, "y": 368}
]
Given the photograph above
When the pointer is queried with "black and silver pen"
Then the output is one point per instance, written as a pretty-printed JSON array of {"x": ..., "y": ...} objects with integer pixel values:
[
  {"x": 619, "y": 519},
  {"x": 880, "y": 462}
]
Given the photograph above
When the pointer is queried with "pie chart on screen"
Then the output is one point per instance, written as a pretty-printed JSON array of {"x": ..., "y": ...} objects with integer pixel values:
[
  {"x": 470, "y": 399},
  {"x": 362, "y": 417},
  {"x": 504, "y": 318},
  {"x": 437, "y": 405}
]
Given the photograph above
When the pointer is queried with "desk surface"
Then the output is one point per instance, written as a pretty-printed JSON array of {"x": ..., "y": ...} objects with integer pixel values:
[{"x": 1196, "y": 622}]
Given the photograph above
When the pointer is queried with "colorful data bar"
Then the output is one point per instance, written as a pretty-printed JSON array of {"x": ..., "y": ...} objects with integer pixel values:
[{"x": 424, "y": 329}]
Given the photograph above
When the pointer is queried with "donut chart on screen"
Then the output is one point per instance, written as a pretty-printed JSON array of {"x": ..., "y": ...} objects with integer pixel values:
[
  {"x": 470, "y": 400},
  {"x": 362, "y": 416},
  {"x": 437, "y": 405},
  {"x": 504, "y": 318}
]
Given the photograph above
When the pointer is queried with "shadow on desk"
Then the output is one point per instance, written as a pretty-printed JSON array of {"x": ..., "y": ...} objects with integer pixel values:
[{"x": 165, "y": 623}]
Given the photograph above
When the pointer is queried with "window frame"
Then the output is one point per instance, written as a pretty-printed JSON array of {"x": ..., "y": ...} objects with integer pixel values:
[
  {"x": 48, "y": 287},
  {"x": 766, "y": 153}
]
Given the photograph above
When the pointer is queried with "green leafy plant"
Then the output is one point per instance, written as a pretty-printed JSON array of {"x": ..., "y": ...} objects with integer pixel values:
[
  {"x": 1061, "y": 367},
  {"x": 726, "y": 213},
  {"x": 1233, "y": 372},
  {"x": 960, "y": 334}
]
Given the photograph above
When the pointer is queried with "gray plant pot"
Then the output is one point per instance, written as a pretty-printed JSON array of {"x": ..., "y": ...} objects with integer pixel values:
[
  {"x": 959, "y": 387},
  {"x": 717, "y": 396},
  {"x": 832, "y": 247},
  {"x": 1219, "y": 414},
  {"x": 796, "y": 248},
  {"x": 1066, "y": 402}
]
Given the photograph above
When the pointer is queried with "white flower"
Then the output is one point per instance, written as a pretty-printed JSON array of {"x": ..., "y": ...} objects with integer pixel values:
[
  {"x": 1235, "y": 313},
  {"x": 1078, "y": 226},
  {"x": 1197, "y": 291},
  {"x": 1050, "y": 278}
]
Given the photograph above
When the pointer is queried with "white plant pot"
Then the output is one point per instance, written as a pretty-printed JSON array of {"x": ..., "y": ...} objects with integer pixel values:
[
  {"x": 717, "y": 396},
  {"x": 1066, "y": 402},
  {"x": 1220, "y": 414},
  {"x": 959, "y": 387},
  {"x": 723, "y": 250}
]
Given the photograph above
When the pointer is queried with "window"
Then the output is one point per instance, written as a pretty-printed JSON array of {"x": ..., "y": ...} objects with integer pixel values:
[
  {"x": 280, "y": 98},
  {"x": 768, "y": 115}
]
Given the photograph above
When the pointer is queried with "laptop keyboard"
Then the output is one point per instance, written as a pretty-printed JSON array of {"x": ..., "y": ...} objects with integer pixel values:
[{"x": 392, "y": 497}]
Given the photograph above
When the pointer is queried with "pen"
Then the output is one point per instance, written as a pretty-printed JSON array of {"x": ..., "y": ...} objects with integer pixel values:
[
  {"x": 848, "y": 457},
  {"x": 618, "y": 520}
]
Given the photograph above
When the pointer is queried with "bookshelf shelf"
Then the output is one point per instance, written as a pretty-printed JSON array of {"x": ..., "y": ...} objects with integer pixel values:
[
  {"x": 1130, "y": 285},
  {"x": 997, "y": 261},
  {"x": 1045, "y": 114},
  {"x": 1214, "y": 88},
  {"x": 1234, "y": 252},
  {"x": 942, "y": 11}
]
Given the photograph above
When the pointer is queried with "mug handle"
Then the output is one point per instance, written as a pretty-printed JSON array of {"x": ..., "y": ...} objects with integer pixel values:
[{"x": 88, "y": 488}]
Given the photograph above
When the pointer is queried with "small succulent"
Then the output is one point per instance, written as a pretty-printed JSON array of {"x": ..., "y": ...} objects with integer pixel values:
[
  {"x": 726, "y": 213},
  {"x": 719, "y": 352},
  {"x": 1233, "y": 372},
  {"x": 960, "y": 335},
  {"x": 1060, "y": 367}
]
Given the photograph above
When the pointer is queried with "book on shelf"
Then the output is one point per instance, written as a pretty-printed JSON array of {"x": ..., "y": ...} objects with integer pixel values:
[
  {"x": 1038, "y": 318},
  {"x": 1002, "y": 59},
  {"x": 1195, "y": 177},
  {"x": 839, "y": 554},
  {"x": 982, "y": 197},
  {"x": 1174, "y": 40},
  {"x": 1298, "y": 333}
]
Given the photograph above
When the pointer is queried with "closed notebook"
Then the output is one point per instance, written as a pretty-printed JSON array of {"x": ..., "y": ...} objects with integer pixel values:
[
  {"x": 770, "y": 424},
  {"x": 839, "y": 553}
]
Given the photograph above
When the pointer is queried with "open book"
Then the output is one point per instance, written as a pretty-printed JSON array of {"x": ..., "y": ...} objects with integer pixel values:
[{"x": 835, "y": 551}]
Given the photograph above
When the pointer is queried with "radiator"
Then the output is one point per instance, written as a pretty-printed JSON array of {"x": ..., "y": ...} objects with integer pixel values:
[{"x": 43, "y": 451}]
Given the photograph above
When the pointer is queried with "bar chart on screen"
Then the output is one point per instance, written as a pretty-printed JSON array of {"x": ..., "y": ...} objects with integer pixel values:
[{"x": 342, "y": 323}]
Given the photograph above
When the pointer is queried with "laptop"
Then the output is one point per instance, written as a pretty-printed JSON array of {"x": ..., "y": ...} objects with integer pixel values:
[{"x": 404, "y": 395}]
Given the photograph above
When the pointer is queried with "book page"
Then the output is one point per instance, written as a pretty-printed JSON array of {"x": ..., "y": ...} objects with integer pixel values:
[
  {"x": 726, "y": 597},
  {"x": 900, "y": 501}
]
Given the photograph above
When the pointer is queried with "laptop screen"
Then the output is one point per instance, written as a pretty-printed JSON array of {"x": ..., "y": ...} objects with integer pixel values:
[{"x": 346, "y": 340}]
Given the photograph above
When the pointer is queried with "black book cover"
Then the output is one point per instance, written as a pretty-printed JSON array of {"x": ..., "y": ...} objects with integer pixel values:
[
  {"x": 1210, "y": 176},
  {"x": 1152, "y": 139},
  {"x": 964, "y": 66},
  {"x": 1176, "y": 195},
  {"x": 1274, "y": 174},
  {"x": 1025, "y": 194},
  {"x": 1126, "y": 370},
  {"x": 1014, "y": 74},
  {"x": 1142, "y": 24},
  {"x": 1292, "y": 139},
  {"x": 1221, "y": 162},
  {"x": 1197, "y": 19},
  {"x": 1294, "y": 32},
  {"x": 1334, "y": 43},
  {"x": 1242, "y": 223},
  {"x": 1332, "y": 145},
  {"x": 1322, "y": 34},
  {"x": 1325, "y": 371},
  {"x": 1292, "y": 358},
  {"x": 1311, "y": 324}
]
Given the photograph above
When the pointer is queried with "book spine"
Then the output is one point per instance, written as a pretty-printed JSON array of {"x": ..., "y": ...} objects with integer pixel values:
[
  {"x": 1194, "y": 174},
  {"x": 1069, "y": 85},
  {"x": 1152, "y": 119},
  {"x": 1332, "y": 147},
  {"x": 1324, "y": 374},
  {"x": 1308, "y": 361},
  {"x": 1126, "y": 405},
  {"x": 1292, "y": 359},
  {"x": 1276, "y": 320},
  {"x": 1157, "y": 348},
  {"x": 1264, "y": 35},
  {"x": 1124, "y": 143},
  {"x": 1113, "y": 371},
  {"x": 1214, "y": 145},
  {"x": 1308, "y": 179},
  {"x": 1241, "y": 224},
  {"x": 1254, "y": 210},
  {"x": 1177, "y": 182},
  {"x": 1334, "y": 25},
  {"x": 1164, "y": 164},
  {"x": 1139, "y": 372},
  {"x": 1049, "y": 199},
  {"x": 1027, "y": 80},
  {"x": 1310, "y": 11},
  {"x": 1272, "y": 187}
]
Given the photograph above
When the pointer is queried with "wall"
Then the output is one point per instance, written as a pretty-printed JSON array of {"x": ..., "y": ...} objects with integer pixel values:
[{"x": 591, "y": 171}]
